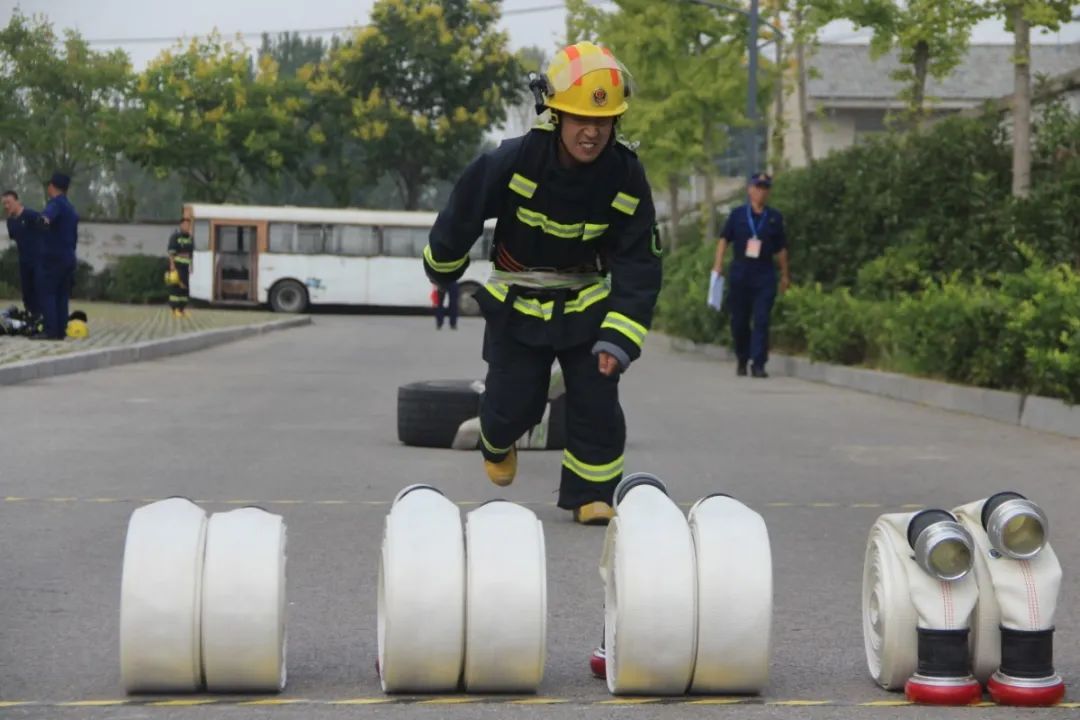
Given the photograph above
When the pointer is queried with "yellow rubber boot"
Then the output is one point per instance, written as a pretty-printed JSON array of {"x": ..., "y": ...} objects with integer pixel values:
[
  {"x": 502, "y": 473},
  {"x": 594, "y": 513}
]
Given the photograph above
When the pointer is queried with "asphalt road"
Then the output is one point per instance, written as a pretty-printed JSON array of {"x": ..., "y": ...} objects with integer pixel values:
[{"x": 304, "y": 421}]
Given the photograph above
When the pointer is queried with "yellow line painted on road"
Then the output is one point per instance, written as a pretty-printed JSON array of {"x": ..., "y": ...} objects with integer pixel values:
[
  {"x": 275, "y": 701},
  {"x": 362, "y": 701},
  {"x": 13, "y": 703},
  {"x": 92, "y": 703},
  {"x": 184, "y": 703},
  {"x": 450, "y": 701},
  {"x": 719, "y": 701},
  {"x": 539, "y": 701},
  {"x": 887, "y": 703},
  {"x": 817, "y": 505},
  {"x": 630, "y": 701}
]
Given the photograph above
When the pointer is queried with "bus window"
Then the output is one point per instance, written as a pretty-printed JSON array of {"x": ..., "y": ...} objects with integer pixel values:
[
  {"x": 201, "y": 234},
  {"x": 354, "y": 240},
  {"x": 281, "y": 237},
  {"x": 310, "y": 239},
  {"x": 404, "y": 241}
]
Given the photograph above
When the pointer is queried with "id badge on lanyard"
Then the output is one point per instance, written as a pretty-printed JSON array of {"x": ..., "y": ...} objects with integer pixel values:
[{"x": 753, "y": 245}]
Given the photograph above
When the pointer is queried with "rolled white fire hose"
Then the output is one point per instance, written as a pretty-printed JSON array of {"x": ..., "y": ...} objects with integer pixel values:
[
  {"x": 160, "y": 598},
  {"x": 421, "y": 613},
  {"x": 1019, "y": 594},
  {"x": 985, "y": 640},
  {"x": 243, "y": 609},
  {"x": 506, "y": 599},
  {"x": 650, "y": 595},
  {"x": 899, "y": 597},
  {"x": 734, "y": 597}
]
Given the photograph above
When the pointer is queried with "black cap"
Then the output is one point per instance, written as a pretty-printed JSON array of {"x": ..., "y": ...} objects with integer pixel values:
[
  {"x": 60, "y": 181},
  {"x": 761, "y": 179}
]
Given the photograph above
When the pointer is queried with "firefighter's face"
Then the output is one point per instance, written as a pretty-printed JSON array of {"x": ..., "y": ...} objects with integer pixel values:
[{"x": 585, "y": 137}]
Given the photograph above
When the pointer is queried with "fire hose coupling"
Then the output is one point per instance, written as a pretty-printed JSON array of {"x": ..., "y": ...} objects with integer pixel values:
[
  {"x": 944, "y": 674},
  {"x": 1017, "y": 528},
  {"x": 943, "y": 547},
  {"x": 1026, "y": 676}
]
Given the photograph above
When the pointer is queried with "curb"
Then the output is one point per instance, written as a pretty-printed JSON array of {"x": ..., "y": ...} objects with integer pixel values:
[
  {"x": 139, "y": 352},
  {"x": 1033, "y": 412}
]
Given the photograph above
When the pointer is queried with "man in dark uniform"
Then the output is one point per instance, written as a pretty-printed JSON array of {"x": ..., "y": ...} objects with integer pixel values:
[
  {"x": 61, "y": 224},
  {"x": 756, "y": 234},
  {"x": 576, "y": 274},
  {"x": 22, "y": 227},
  {"x": 180, "y": 249}
]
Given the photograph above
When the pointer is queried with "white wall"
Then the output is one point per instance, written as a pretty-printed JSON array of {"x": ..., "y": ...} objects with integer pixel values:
[{"x": 100, "y": 243}]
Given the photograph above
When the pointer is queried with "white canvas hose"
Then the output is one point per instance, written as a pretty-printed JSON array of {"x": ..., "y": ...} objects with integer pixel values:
[
  {"x": 650, "y": 595},
  {"x": 243, "y": 609},
  {"x": 1020, "y": 580},
  {"x": 160, "y": 598},
  {"x": 506, "y": 599},
  {"x": 734, "y": 597},
  {"x": 421, "y": 612},
  {"x": 985, "y": 641},
  {"x": 899, "y": 597}
]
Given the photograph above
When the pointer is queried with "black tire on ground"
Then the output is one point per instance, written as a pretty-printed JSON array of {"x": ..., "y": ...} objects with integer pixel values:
[
  {"x": 467, "y": 305},
  {"x": 289, "y": 296},
  {"x": 430, "y": 412}
]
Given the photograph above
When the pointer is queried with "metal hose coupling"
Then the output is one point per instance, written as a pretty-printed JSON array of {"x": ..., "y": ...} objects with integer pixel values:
[
  {"x": 1017, "y": 528},
  {"x": 943, "y": 547}
]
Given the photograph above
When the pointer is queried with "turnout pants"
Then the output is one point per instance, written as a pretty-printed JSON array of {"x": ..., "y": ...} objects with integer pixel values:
[
  {"x": 54, "y": 281},
  {"x": 28, "y": 277},
  {"x": 178, "y": 295},
  {"x": 751, "y": 297},
  {"x": 515, "y": 398},
  {"x": 450, "y": 298}
]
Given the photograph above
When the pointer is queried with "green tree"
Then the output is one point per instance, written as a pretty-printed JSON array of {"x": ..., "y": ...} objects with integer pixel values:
[
  {"x": 292, "y": 51},
  {"x": 423, "y": 82},
  {"x": 59, "y": 100},
  {"x": 690, "y": 85},
  {"x": 1020, "y": 17},
  {"x": 931, "y": 37},
  {"x": 204, "y": 113}
]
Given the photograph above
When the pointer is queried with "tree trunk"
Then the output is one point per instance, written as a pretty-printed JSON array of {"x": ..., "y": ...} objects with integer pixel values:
[
  {"x": 800, "y": 80},
  {"x": 918, "y": 94},
  {"x": 676, "y": 215},
  {"x": 708, "y": 210},
  {"x": 778, "y": 124},
  {"x": 1021, "y": 109}
]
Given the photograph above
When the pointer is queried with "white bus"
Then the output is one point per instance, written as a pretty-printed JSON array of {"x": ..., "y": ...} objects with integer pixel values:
[{"x": 293, "y": 257}]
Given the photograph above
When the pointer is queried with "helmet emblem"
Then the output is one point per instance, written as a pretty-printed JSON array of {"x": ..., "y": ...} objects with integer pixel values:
[{"x": 599, "y": 97}]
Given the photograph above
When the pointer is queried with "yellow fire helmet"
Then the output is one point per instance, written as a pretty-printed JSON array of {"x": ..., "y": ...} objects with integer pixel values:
[
  {"x": 77, "y": 327},
  {"x": 172, "y": 277},
  {"x": 584, "y": 79}
]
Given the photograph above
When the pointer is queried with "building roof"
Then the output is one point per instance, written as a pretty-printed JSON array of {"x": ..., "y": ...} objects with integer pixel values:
[{"x": 845, "y": 71}]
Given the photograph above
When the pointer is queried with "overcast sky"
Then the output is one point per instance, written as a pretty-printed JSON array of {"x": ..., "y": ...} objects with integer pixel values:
[{"x": 133, "y": 20}]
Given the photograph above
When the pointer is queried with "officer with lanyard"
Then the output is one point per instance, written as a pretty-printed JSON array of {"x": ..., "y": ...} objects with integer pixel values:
[
  {"x": 756, "y": 234},
  {"x": 577, "y": 272}
]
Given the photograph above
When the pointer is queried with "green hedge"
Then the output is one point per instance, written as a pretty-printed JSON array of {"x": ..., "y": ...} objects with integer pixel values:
[
  {"x": 1010, "y": 331},
  {"x": 942, "y": 196},
  {"x": 130, "y": 279}
]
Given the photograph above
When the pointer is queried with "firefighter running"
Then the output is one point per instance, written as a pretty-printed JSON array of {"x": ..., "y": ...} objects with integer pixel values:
[
  {"x": 180, "y": 247},
  {"x": 576, "y": 275}
]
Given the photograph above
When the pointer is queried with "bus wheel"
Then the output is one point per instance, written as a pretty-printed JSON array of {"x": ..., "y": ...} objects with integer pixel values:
[
  {"x": 289, "y": 296},
  {"x": 467, "y": 304}
]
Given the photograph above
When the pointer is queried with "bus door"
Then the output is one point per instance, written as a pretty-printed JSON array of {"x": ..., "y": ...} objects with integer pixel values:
[{"x": 236, "y": 246}]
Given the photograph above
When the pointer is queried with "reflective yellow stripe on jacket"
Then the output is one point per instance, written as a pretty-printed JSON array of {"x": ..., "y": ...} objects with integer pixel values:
[
  {"x": 635, "y": 331},
  {"x": 544, "y": 310}
]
